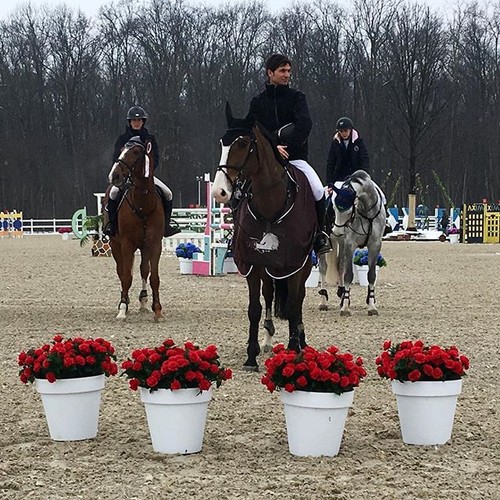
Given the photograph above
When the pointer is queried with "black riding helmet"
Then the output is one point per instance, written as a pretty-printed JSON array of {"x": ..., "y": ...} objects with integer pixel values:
[
  {"x": 136, "y": 112},
  {"x": 344, "y": 123}
]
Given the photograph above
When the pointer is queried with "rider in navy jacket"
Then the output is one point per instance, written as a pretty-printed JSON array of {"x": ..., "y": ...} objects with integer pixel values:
[
  {"x": 144, "y": 134},
  {"x": 348, "y": 153},
  {"x": 136, "y": 119}
]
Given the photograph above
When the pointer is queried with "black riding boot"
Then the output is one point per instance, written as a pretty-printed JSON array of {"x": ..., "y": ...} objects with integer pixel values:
[
  {"x": 167, "y": 207},
  {"x": 322, "y": 241},
  {"x": 111, "y": 226}
]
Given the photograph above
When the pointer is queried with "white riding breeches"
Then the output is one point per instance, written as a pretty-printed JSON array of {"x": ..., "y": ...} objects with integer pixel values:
[
  {"x": 312, "y": 177},
  {"x": 114, "y": 191},
  {"x": 166, "y": 190}
]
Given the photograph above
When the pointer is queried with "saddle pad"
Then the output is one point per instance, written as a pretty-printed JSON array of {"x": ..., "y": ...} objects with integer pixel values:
[{"x": 282, "y": 246}]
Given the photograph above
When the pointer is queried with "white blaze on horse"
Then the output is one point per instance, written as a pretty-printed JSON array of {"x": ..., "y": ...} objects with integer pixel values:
[
  {"x": 360, "y": 216},
  {"x": 275, "y": 224}
]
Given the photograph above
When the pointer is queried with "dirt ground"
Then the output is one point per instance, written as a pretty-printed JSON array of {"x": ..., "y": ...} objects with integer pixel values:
[{"x": 442, "y": 293}]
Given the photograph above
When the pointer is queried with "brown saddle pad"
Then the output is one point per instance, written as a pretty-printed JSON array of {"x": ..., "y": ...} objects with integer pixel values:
[{"x": 282, "y": 246}]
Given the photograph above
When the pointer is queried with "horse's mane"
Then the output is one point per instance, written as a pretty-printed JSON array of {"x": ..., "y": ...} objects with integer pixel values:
[
  {"x": 273, "y": 141},
  {"x": 360, "y": 177}
]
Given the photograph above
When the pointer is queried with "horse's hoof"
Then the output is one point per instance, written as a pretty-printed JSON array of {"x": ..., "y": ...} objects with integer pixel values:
[
  {"x": 372, "y": 312},
  {"x": 250, "y": 368},
  {"x": 159, "y": 319},
  {"x": 323, "y": 307},
  {"x": 345, "y": 313}
]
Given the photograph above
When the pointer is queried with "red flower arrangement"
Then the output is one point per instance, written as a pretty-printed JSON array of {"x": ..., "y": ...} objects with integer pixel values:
[
  {"x": 414, "y": 361},
  {"x": 63, "y": 230},
  {"x": 312, "y": 371},
  {"x": 172, "y": 367},
  {"x": 68, "y": 358}
]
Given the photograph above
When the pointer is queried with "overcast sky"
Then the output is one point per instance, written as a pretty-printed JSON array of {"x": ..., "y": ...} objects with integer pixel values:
[{"x": 91, "y": 7}]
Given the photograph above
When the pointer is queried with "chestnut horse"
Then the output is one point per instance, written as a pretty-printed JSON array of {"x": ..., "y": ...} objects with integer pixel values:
[
  {"x": 140, "y": 224},
  {"x": 274, "y": 227}
]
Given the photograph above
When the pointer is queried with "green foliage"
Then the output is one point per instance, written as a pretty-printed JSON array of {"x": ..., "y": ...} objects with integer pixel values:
[{"x": 446, "y": 196}]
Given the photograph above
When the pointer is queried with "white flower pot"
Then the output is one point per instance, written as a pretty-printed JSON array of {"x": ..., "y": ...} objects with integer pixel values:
[
  {"x": 426, "y": 410},
  {"x": 355, "y": 277},
  {"x": 315, "y": 421},
  {"x": 185, "y": 265},
  {"x": 176, "y": 419},
  {"x": 313, "y": 279},
  {"x": 454, "y": 238},
  {"x": 362, "y": 272},
  {"x": 71, "y": 406},
  {"x": 65, "y": 236}
]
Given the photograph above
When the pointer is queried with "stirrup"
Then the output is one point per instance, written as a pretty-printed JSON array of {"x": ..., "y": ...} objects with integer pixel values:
[
  {"x": 109, "y": 229},
  {"x": 171, "y": 231},
  {"x": 322, "y": 243}
]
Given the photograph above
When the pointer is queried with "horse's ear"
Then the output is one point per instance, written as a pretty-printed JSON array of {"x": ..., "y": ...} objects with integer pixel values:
[{"x": 229, "y": 113}]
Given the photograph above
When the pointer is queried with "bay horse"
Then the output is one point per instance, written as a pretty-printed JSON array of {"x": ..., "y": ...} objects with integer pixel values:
[
  {"x": 140, "y": 224},
  {"x": 359, "y": 222},
  {"x": 274, "y": 228}
]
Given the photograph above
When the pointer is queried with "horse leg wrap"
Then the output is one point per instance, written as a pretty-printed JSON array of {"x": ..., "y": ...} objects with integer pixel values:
[
  {"x": 370, "y": 295},
  {"x": 341, "y": 291},
  {"x": 345, "y": 296},
  {"x": 324, "y": 293}
]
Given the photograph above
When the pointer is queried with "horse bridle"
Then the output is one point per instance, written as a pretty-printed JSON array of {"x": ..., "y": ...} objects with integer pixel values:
[
  {"x": 130, "y": 168},
  {"x": 364, "y": 216}
]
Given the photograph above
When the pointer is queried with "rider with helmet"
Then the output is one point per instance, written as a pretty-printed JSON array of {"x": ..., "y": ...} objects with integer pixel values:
[
  {"x": 136, "y": 118},
  {"x": 348, "y": 153}
]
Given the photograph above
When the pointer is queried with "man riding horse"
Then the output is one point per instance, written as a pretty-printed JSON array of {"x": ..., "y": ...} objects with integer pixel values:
[
  {"x": 284, "y": 110},
  {"x": 136, "y": 118}
]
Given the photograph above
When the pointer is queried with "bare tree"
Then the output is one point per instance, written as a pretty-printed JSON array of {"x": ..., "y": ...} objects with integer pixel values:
[{"x": 413, "y": 68}]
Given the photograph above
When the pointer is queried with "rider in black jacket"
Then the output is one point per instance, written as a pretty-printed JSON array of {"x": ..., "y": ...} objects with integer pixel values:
[
  {"x": 284, "y": 110},
  {"x": 136, "y": 118}
]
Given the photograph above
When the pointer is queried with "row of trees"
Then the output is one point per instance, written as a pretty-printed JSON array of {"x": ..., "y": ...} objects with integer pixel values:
[{"x": 424, "y": 92}]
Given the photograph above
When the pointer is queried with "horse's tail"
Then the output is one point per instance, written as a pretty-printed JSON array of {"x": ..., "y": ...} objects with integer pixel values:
[
  {"x": 332, "y": 271},
  {"x": 280, "y": 297}
]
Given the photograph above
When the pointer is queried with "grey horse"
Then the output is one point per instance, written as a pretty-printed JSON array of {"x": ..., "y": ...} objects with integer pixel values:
[{"x": 360, "y": 215}]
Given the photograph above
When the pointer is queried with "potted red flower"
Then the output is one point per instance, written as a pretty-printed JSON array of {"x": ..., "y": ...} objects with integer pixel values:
[
  {"x": 175, "y": 383},
  {"x": 69, "y": 374},
  {"x": 317, "y": 389},
  {"x": 427, "y": 380}
]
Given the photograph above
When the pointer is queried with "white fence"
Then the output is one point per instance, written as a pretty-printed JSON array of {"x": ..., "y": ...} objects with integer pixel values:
[{"x": 44, "y": 226}]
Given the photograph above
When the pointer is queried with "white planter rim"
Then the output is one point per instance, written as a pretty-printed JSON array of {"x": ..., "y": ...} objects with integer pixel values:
[
  {"x": 317, "y": 399},
  {"x": 70, "y": 385},
  {"x": 178, "y": 397},
  {"x": 427, "y": 388}
]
